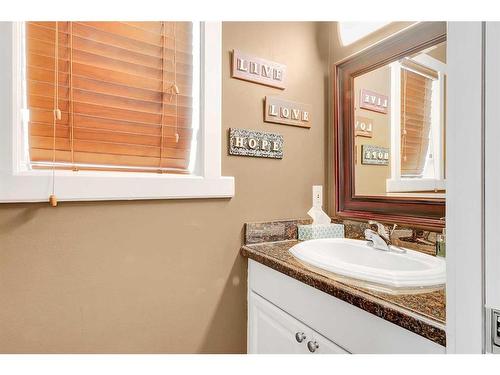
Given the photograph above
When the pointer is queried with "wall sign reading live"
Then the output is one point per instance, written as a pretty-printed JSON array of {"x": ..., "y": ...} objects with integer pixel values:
[
  {"x": 254, "y": 143},
  {"x": 255, "y": 69},
  {"x": 373, "y": 101},
  {"x": 280, "y": 111}
]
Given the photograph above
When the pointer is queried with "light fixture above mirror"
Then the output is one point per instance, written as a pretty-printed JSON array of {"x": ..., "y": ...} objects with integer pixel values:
[{"x": 350, "y": 32}]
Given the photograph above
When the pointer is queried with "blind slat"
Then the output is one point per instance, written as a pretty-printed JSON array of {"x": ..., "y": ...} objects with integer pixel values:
[
  {"x": 87, "y": 84},
  {"x": 44, "y": 130},
  {"x": 90, "y": 59},
  {"x": 124, "y": 36},
  {"x": 40, "y": 155},
  {"x": 85, "y": 32},
  {"x": 45, "y": 116},
  {"x": 64, "y": 144},
  {"x": 108, "y": 76},
  {"x": 42, "y": 48},
  {"x": 110, "y": 101}
]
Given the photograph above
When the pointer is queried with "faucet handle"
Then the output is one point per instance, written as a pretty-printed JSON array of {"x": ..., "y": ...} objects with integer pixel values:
[
  {"x": 381, "y": 229},
  {"x": 375, "y": 225}
]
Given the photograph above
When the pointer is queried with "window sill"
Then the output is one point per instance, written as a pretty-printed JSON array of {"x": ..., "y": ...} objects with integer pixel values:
[
  {"x": 411, "y": 185},
  {"x": 91, "y": 186}
]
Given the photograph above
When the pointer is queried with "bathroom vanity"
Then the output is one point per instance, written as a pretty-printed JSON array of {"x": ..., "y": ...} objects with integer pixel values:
[
  {"x": 292, "y": 309},
  {"x": 392, "y": 174}
]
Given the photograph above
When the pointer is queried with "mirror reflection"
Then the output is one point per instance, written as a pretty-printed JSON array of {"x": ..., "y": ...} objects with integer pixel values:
[{"x": 399, "y": 127}]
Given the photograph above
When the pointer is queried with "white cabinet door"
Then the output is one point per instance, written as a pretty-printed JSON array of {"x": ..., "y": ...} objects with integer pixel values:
[{"x": 273, "y": 331}]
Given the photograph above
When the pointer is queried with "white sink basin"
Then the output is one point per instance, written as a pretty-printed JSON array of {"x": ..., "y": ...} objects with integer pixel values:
[{"x": 359, "y": 260}]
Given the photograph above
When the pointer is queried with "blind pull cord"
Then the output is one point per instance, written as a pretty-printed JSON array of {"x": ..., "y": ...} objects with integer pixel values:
[
  {"x": 71, "y": 99},
  {"x": 174, "y": 88},
  {"x": 174, "y": 91},
  {"x": 162, "y": 92},
  {"x": 404, "y": 116},
  {"x": 57, "y": 115}
]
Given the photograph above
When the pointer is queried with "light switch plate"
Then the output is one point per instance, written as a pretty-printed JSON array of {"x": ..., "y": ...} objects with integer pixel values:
[{"x": 318, "y": 196}]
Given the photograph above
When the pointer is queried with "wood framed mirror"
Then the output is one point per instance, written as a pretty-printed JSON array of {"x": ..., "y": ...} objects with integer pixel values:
[{"x": 389, "y": 127}]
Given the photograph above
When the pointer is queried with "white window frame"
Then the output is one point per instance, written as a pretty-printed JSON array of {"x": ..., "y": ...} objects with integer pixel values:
[
  {"x": 398, "y": 184},
  {"x": 17, "y": 185}
]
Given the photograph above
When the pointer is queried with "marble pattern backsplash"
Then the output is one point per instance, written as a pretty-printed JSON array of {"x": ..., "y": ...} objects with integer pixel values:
[
  {"x": 283, "y": 230},
  {"x": 272, "y": 231}
]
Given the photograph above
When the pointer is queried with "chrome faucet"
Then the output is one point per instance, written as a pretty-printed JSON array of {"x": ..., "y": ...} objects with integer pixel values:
[
  {"x": 381, "y": 238},
  {"x": 378, "y": 242}
]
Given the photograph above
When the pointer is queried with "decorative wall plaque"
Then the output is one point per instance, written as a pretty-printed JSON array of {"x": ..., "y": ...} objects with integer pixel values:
[
  {"x": 255, "y": 69},
  {"x": 363, "y": 127},
  {"x": 254, "y": 143},
  {"x": 374, "y": 155},
  {"x": 280, "y": 111},
  {"x": 373, "y": 101}
]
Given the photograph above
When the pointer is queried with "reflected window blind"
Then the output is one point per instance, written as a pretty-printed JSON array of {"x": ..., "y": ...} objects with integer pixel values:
[
  {"x": 124, "y": 91},
  {"x": 416, "y": 104}
]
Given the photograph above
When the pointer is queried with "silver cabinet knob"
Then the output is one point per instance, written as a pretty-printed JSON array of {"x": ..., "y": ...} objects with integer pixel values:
[
  {"x": 300, "y": 336},
  {"x": 312, "y": 346}
]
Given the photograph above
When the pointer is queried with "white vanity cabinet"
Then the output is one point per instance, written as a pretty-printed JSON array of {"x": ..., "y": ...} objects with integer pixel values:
[
  {"x": 273, "y": 331},
  {"x": 288, "y": 316}
]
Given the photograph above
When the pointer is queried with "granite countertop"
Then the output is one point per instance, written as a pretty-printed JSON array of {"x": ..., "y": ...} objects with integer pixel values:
[{"x": 422, "y": 313}]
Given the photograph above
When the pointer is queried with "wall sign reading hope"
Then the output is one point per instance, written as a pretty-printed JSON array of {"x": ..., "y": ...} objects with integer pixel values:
[
  {"x": 374, "y": 155},
  {"x": 245, "y": 142}
]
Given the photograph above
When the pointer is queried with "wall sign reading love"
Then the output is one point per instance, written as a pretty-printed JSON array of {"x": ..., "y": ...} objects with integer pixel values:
[
  {"x": 280, "y": 111},
  {"x": 363, "y": 127},
  {"x": 245, "y": 142},
  {"x": 255, "y": 69}
]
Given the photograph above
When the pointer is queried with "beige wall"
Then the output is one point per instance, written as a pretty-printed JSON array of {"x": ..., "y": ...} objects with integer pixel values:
[
  {"x": 166, "y": 276},
  {"x": 371, "y": 179}
]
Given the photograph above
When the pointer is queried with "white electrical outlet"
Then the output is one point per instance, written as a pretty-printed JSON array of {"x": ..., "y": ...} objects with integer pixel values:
[{"x": 318, "y": 196}]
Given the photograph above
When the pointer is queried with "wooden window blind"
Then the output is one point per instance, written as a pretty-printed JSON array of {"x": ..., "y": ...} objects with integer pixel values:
[
  {"x": 110, "y": 95},
  {"x": 416, "y": 105}
]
